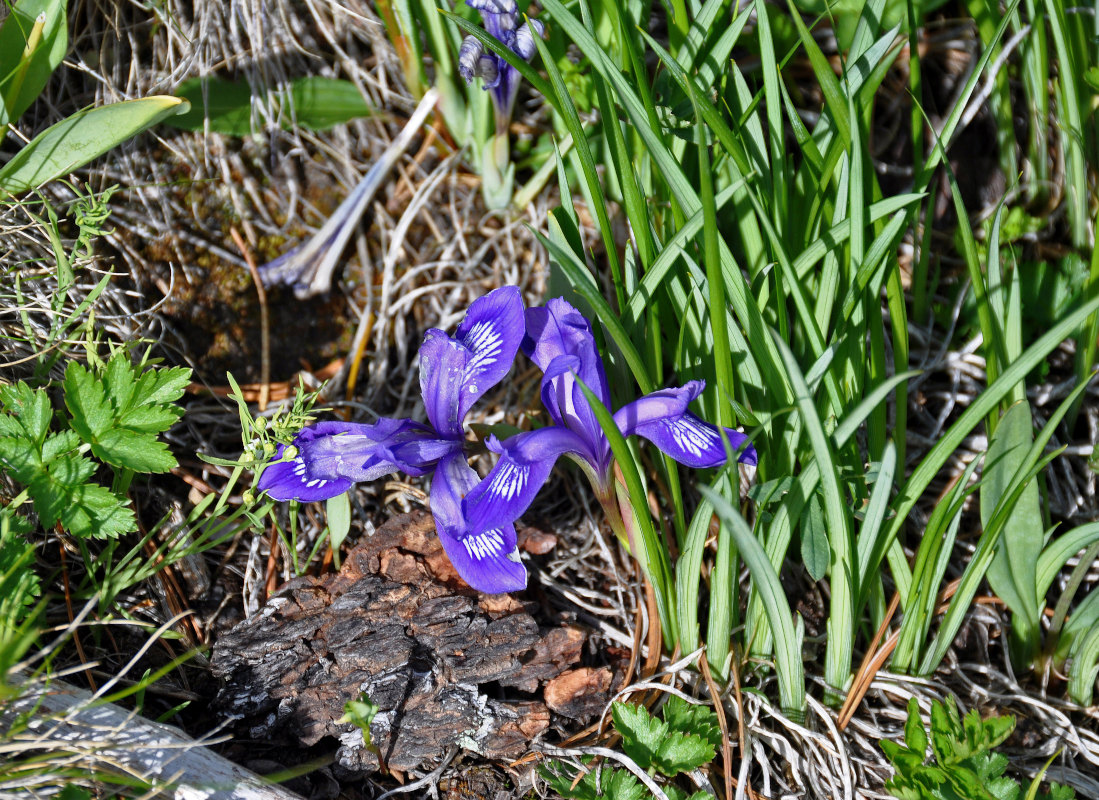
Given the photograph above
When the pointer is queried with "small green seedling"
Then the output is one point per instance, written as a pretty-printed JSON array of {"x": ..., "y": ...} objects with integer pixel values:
[
  {"x": 963, "y": 765},
  {"x": 685, "y": 739},
  {"x": 361, "y": 713}
]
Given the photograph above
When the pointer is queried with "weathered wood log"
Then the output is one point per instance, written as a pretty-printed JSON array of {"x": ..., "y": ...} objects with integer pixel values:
[
  {"x": 111, "y": 740},
  {"x": 446, "y": 665}
]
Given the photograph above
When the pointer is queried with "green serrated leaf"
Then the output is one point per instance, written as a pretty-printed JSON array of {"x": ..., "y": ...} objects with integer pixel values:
[
  {"x": 19, "y": 459},
  {"x": 118, "y": 381},
  {"x": 692, "y": 718},
  {"x": 947, "y": 734},
  {"x": 86, "y": 399},
  {"x": 161, "y": 386},
  {"x": 914, "y": 735},
  {"x": 682, "y": 752},
  {"x": 1058, "y": 791},
  {"x": 133, "y": 450},
  {"x": 59, "y": 444},
  {"x": 120, "y": 413},
  {"x": 642, "y": 735},
  {"x": 95, "y": 512},
  {"x": 675, "y": 793},
  {"x": 150, "y": 418},
  {"x": 62, "y": 494},
  {"x": 27, "y": 412}
]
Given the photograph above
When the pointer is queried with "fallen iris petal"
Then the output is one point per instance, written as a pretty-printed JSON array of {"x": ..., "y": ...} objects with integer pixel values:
[{"x": 309, "y": 267}]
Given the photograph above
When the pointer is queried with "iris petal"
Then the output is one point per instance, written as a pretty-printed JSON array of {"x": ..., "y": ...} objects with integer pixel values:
[
  {"x": 492, "y": 332},
  {"x": 443, "y": 362},
  {"x": 526, "y": 461},
  {"x": 290, "y": 480},
  {"x": 663, "y": 419},
  {"x": 664, "y": 404},
  {"x": 362, "y": 452},
  {"x": 487, "y": 560},
  {"x": 693, "y": 442},
  {"x": 558, "y": 329}
]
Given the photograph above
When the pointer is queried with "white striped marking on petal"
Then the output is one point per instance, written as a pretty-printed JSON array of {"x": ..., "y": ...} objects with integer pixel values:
[
  {"x": 484, "y": 545},
  {"x": 692, "y": 439},
  {"x": 509, "y": 482},
  {"x": 485, "y": 342}
]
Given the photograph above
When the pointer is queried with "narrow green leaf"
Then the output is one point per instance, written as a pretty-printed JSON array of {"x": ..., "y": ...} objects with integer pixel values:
[{"x": 788, "y": 641}]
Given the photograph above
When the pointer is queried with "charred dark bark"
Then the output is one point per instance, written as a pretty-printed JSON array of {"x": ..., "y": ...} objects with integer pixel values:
[{"x": 397, "y": 624}]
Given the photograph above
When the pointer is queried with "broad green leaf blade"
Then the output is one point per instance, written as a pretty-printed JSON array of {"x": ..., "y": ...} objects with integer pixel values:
[
  {"x": 1012, "y": 571},
  {"x": 814, "y": 539},
  {"x": 338, "y": 511},
  {"x": 23, "y": 75},
  {"x": 76, "y": 140},
  {"x": 321, "y": 103},
  {"x": 225, "y": 105}
]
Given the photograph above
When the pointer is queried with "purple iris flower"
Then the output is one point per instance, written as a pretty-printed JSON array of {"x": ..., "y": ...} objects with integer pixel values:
[
  {"x": 454, "y": 373},
  {"x": 503, "y": 22},
  {"x": 560, "y": 341}
]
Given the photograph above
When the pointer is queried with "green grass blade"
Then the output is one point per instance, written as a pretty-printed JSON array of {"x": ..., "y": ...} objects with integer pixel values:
[
  {"x": 653, "y": 555},
  {"x": 791, "y": 677},
  {"x": 841, "y": 635},
  {"x": 950, "y": 441}
]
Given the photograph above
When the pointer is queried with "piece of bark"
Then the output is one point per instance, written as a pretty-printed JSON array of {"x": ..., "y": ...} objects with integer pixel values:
[
  {"x": 398, "y": 625},
  {"x": 579, "y": 693}
]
